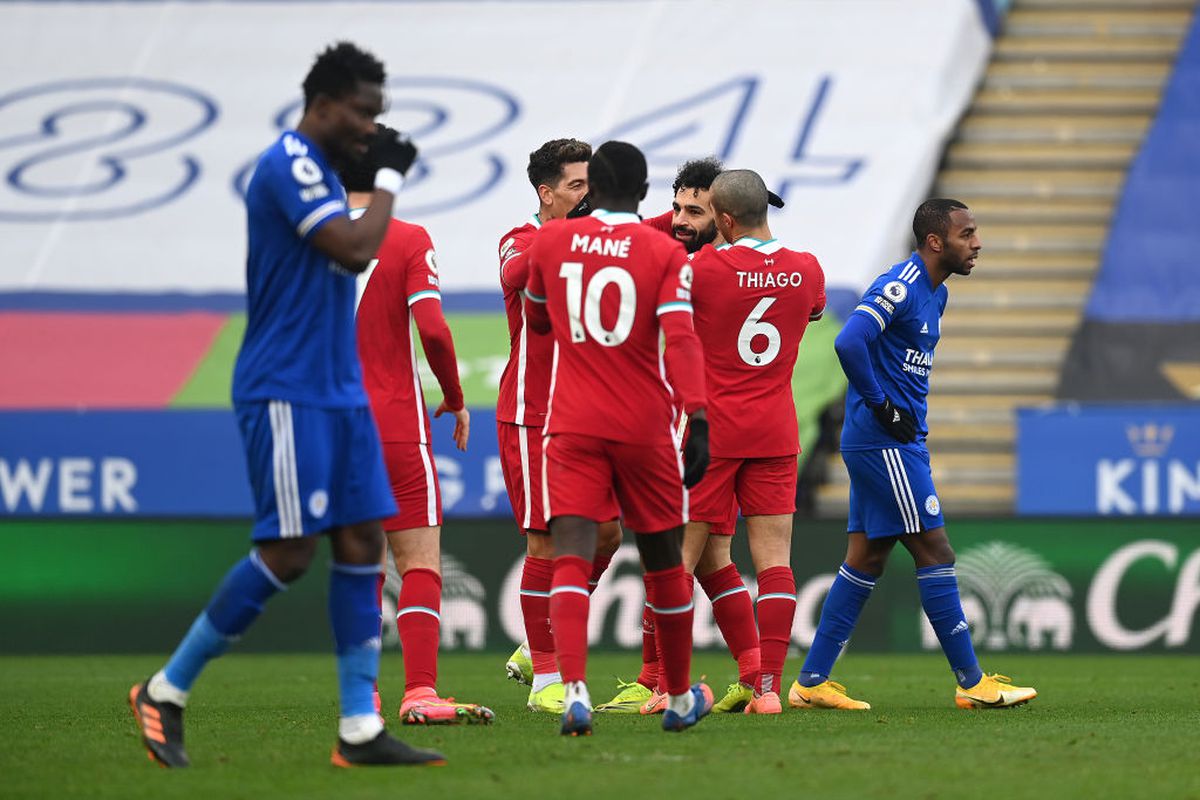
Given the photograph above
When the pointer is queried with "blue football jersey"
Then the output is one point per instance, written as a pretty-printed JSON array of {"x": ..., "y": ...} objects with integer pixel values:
[
  {"x": 908, "y": 311},
  {"x": 299, "y": 343}
]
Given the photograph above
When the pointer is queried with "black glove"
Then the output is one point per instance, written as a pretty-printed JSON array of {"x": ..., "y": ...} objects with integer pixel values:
[
  {"x": 900, "y": 425},
  {"x": 774, "y": 199},
  {"x": 695, "y": 452},
  {"x": 388, "y": 148},
  {"x": 582, "y": 208}
]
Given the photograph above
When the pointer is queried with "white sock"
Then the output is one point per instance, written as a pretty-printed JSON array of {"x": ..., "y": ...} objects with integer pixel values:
[
  {"x": 682, "y": 704},
  {"x": 162, "y": 690},
  {"x": 577, "y": 691},
  {"x": 542, "y": 681},
  {"x": 359, "y": 728}
]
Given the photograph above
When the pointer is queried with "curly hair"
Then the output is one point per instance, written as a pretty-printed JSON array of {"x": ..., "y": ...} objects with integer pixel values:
[
  {"x": 338, "y": 70},
  {"x": 697, "y": 174}
]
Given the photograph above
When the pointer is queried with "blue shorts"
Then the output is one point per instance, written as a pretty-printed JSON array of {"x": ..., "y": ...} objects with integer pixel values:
[
  {"x": 891, "y": 492},
  {"x": 311, "y": 468}
]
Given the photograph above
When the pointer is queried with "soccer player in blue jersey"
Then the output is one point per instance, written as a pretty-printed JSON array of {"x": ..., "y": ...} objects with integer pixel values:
[
  {"x": 886, "y": 349},
  {"x": 313, "y": 453}
]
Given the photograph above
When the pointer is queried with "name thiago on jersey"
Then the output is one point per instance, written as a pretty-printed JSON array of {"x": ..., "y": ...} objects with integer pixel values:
[{"x": 768, "y": 280}]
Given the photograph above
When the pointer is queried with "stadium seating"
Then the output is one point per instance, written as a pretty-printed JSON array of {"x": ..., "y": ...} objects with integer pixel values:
[{"x": 1040, "y": 157}]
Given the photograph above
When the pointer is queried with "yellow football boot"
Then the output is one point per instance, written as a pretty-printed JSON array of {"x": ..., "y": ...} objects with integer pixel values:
[
  {"x": 993, "y": 691},
  {"x": 824, "y": 695}
]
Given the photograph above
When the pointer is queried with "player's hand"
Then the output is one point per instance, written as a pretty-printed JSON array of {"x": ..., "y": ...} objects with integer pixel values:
[
  {"x": 391, "y": 149},
  {"x": 900, "y": 425},
  {"x": 462, "y": 424},
  {"x": 695, "y": 451}
]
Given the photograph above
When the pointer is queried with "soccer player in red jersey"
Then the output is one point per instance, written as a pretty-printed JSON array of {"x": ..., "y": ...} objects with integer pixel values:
[
  {"x": 753, "y": 299},
  {"x": 558, "y": 172},
  {"x": 400, "y": 288},
  {"x": 690, "y": 222},
  {"x": 608, "y": 287}
]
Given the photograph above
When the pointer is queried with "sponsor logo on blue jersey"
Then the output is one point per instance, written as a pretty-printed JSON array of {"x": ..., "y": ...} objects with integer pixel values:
[{"x": 908, "y": 311}]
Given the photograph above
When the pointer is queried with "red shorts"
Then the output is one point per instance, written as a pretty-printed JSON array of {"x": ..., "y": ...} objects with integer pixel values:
[
  {"x": 413, "y": 476},
  {"x": 600, "y": 479},
  {"x": 521, "y": 463},
  {"x": 725, "y": 527},
  {"x": 758, "y": 486}
]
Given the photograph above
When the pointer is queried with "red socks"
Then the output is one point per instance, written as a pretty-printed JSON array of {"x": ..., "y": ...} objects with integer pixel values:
[
  {"x": 418, "y": 619},
  {"x": 776, "y": 609},
  {"x": 669, "y": 594},
  {"x": 535, "y": 608},
  {"x": 734, "y": 614},
  {"x": 569, "y": 615},
  {"x": 648, "y": 677}
]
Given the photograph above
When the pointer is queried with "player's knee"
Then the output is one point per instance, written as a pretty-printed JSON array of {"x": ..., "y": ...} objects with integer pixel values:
[
  {"x": 935, "y": 548},
  {"x": 608, "y": 538},
  {"x": 288, "y": 560},
  {"x": 538, "y": 544},
  {"x": 661, "y": 551}
]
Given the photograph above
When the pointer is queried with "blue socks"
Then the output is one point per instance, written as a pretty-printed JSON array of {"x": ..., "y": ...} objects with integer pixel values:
[
  {"x": 234, "y": 606},
  {"x": 354, "y": 615},
  {"x": 839, "y": 615},
  {"x": 939, "y": 598}
]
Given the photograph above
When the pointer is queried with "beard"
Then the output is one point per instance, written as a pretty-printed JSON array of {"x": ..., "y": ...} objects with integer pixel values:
[{"x": 694, "y": 243}]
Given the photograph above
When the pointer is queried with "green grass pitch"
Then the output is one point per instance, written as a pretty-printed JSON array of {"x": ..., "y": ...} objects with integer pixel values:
[{"x": 261, "y": 727}]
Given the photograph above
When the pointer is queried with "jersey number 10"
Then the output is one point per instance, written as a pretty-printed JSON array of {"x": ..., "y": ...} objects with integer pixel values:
[{"x": 589, "y": 306}]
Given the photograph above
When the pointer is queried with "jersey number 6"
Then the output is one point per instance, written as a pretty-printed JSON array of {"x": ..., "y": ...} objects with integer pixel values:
[
  {"x": 754, "y": 326},
  {"x": 590, "y": 305}
]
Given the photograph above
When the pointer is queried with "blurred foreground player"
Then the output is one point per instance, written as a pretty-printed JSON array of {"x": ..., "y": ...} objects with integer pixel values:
[
  {"x": 753, "y": 300},
  {"x": 312, "y": 450},
  {"x": 402, "y": 288},
  {"x": 558, "y": 172},
  {"x": 608, "y": 288},
  {"x": 886, "y": 349}
]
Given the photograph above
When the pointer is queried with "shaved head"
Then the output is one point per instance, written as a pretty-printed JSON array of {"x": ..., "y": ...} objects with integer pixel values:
[{"x": 741, "y": 194}]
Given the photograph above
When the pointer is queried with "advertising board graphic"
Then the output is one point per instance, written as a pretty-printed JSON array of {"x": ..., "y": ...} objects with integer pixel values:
[
  {"x": 1101, "y": 585},
  {"x": 153, "y": 201},
  {"x": 1109, "y": 460}
]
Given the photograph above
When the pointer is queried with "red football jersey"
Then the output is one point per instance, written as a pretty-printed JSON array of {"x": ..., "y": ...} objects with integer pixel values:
[
  {"x": 752, "y": 302},
  {"x": 663, "y": 222},
  {"x": 605, "y": 281},
  {"x": 525, "y": 382},
  {"x": 404, "y": 273}
]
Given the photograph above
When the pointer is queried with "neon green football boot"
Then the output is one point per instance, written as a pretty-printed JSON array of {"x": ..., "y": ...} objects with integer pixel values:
[
  {"x": 549, "y": 699},
  {"x": 736, "y": 698},
  {"x": 520, "y": 665},
  {"x": 628, "y": 700}
]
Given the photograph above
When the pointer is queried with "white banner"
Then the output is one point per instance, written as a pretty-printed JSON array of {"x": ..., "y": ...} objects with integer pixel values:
[{"x": 126, "y": 130}]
